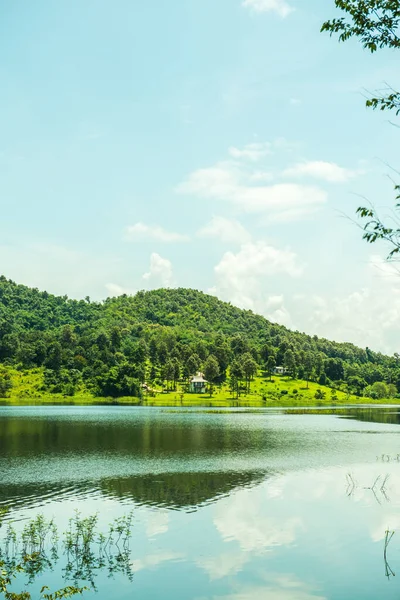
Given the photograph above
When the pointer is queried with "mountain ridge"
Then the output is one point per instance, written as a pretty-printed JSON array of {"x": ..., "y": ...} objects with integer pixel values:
[{"x": 134, "y": 338}]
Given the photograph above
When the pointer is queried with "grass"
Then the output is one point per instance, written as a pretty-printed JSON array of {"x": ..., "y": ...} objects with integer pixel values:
[{"x": 280, "y": 392}]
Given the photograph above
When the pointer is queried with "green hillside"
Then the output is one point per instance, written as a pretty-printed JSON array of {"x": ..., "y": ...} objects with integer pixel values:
[{"x": 57, "y": 349}]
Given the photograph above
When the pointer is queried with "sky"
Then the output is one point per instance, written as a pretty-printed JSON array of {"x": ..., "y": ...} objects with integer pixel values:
[{"x": 221, "y": 145}]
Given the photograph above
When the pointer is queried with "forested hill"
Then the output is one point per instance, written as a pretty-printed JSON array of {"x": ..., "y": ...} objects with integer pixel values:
[{"x": 166, "y": 335}]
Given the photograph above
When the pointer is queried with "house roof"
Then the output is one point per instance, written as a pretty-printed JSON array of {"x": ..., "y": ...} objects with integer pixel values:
[{"x": 198, "y": 379}]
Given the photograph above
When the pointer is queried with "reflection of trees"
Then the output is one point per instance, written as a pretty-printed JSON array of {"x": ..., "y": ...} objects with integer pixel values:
[
  {"x": 84, "y": 551},
  {"x": 124, "y": 442},
  {"x": 158, "y": 434},
  {"x": 171, "y": 490},
  {"x": 374, "y": 415},
  {"x": 378, "y": 487},
  {"x": 179, "y": 490},
  {"x": 388, "y": 571}
]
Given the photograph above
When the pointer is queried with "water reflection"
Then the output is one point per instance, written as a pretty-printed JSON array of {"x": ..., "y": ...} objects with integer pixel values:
[{"x": 266, "y": 506}]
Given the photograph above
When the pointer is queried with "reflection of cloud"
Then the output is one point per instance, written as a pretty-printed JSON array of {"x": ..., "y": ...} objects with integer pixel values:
[
  {"x": 279, "y": 587},
  {"x": 153, "y": 560},
  {"x": 242, "y": 520},
  {"x": 157, "y": 523},
  {"x": 218, "y": 567},
  {"x": 388, "y": 522}
]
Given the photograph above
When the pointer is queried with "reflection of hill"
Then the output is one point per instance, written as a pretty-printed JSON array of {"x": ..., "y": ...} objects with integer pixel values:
[
  {"x": 126, "y": 433},
  {"x": 170, "y": 490},
  {"x": 375, "y": 415},
  {"x": 178, "y": 490}
]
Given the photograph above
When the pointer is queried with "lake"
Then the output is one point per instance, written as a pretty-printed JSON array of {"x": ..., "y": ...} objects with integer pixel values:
[{"x": 226, "y": 505}]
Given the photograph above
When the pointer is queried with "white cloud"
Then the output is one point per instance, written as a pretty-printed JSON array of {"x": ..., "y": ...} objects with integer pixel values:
[
  {"x": 239, "y": 277},
  {"x": 228, "y": 183},
  {"x": 279, "y": 196},
  {"x": 253, "y": 152},
  {"x": 237, "y": 182},
  {"x": 261, "y": 176},
  {"x": 369, "y": 316},
  {"x": 160, "y": 272},
  {"x": 225, "y": 230},
  {"x": 319, "y": 169},
  {"x": 292, "y": 214},
  {"x": 56, "y": 268},
  {"x": 276, "y": 311},
  {"x": 220, "y": 181},
  {"x": 281, "y": 7},
  {"x": 140, "y": 232},
  {"x": 117, "y": 290}
]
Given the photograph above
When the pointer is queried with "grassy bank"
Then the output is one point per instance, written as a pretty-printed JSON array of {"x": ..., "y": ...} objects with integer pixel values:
[{"x": 280, "y": 392}]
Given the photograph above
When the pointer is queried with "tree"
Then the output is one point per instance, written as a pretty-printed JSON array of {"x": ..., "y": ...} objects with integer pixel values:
[
  {"x": 5, "y": 384},
  {"x": 54, "y": 358},
  {"x": 271, "y": 364},
  {"x": 176, "y": 371},
  {"x": 380, "y": 390},
  {"x": 162, "y": 353},
  {"x": 308, "y": 365},
  {"x": 322, "y": 380},
  {"x": 334, "y": 369},
  {"x": 236, "y": 376},
  {"x": 289, "y": 362},
  {"x": 357, "y": 384},
  {"x": 250, "y": 368},
  {"x": 375, "y": 23},
  {"x": 192, "y": 365},
  {"x": 211, "y": 371},
  {"x": 168, "y": 372}
]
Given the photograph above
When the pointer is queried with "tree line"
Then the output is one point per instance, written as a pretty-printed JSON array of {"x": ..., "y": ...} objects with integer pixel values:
[{"x": 165, "y": 336}]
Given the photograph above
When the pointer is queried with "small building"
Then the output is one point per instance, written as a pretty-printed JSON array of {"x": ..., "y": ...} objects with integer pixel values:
[
  {"x": 280, "y": 370},
  {"x": 198, "y": 385}
]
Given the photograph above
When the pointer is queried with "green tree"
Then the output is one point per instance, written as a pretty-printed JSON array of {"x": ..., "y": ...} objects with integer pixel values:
[
  {"x": 271, "y": 364},
  {"x": 250, "y": 368},
  {"x": 357, "y": 384},
  {"x": 308, "y": 365},
  {"x": 211, "y": 372},
  {"x": 176, "y": 371},
  {"x": 376, "y": 24},
  {"x": 192, "y": 365},
  {"x": 334, "y": 369},
  {"x": 168, "y": 372},
  {"x": 162, "y": 353},
  {"x": 322, "y": 380},
  {"x": 289, "y": 362},
  {"x": 5, "y": 384},
  {"x": 380, "y": 390},
  {"x": 236, "y": 376},
  {"x": 53, "y": 360}
]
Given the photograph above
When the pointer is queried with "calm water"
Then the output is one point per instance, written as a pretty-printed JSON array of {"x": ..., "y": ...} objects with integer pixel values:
[{"x": 227, "y": 506}]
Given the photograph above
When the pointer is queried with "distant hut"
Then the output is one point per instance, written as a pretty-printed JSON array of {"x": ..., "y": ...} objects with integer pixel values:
[
  {"x": 198, "y": 385},
  {"x": 280, "y": 370}
]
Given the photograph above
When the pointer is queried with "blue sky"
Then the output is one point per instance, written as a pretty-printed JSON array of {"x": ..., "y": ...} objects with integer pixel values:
[{"x": 217, "y": 145}]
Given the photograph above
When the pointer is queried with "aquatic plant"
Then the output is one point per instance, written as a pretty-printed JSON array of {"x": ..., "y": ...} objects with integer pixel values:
[{"x": 85, "y": 549}]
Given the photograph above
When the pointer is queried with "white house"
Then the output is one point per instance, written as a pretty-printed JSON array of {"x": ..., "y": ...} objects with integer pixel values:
[
  {"x": 198, "y": 384},
  {"x": 280, "y": 370}
]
